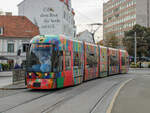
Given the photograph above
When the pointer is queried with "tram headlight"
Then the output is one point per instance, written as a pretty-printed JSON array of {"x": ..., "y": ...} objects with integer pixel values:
[
  {"x": 46, "y": 74},
  {"x": 30, "y": 74}
]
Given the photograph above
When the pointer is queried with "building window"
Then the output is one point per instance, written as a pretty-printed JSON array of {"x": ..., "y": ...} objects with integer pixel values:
[
  {"x": 10, "y": 48},
  {"x": 64, "y": 15},
  {"x": 25, "y": 47},
  {"x": 1, "y": 31}
]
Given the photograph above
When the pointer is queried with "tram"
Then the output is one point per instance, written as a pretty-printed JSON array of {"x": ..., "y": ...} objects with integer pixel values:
[{"x": 55, "y": 61}]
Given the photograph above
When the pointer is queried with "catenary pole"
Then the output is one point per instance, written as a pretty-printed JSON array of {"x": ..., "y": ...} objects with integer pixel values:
[{"x": 135, "y": 48}]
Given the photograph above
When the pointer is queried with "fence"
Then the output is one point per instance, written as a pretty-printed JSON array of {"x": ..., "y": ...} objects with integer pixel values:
[{"x": 18, "y": 76}]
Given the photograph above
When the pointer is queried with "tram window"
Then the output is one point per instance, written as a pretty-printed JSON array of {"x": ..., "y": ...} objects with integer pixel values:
[
  {"x": 68, "y": 60},
  {"x": 57, "y": 61},
  {"x": 33, "y": 60},
  {"x": 123, "y": 61},
  {"x": 127, "y": 60},
  {"x": 76, "y": 60},
  {"x": 40, "y": 59},
  {"x": 113, "y": 61},
  {"x": 91, "y": 60}
]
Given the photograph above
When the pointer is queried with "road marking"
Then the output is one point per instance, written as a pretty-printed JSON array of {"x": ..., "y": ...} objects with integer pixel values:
[{"x": 115, "y": 96}]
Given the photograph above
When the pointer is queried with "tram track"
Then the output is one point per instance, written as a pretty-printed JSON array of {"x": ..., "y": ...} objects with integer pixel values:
[
  {"x": 70, "y": 94},
  {"x": 51, "y": 108},
  {"x": 25, "y": 102},
  {"x": 39, "y": 97},
  {"x": 65, "y": 95},
  {"x": 104, "y": 94},
  {"x": 111, "y": 89},
  {"x": 57, "y": 104},
  {"x": 7, "y": 92}
]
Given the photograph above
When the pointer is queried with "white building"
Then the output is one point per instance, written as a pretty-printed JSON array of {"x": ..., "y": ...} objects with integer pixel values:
[
  {"x": 51, "y": 16},
  {"x": 85, "y": 36},
  {"x": 15, "y": 33},
  {"x": 1, "y": 12}
]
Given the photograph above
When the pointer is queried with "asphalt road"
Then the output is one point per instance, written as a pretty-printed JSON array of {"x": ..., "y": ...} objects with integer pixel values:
[{"x": 90, "y": 97}]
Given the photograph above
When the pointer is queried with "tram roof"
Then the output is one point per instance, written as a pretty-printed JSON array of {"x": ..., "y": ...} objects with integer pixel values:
[{"x": 48, "y": 38}]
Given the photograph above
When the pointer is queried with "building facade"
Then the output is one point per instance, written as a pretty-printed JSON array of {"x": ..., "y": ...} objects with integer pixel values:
[
  {"x": 122, "y": 15},
  {"x": 51, "y": 16},
  {"x": 85, "y": 36},
  {"x": 15, "y": 33}
]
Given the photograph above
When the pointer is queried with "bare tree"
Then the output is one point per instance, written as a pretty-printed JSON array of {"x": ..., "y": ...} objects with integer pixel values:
[{"x": 110, "y": 40}]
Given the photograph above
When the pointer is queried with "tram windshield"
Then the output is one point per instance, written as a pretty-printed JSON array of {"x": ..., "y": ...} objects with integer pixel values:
[{"x": 40, "y": 58}]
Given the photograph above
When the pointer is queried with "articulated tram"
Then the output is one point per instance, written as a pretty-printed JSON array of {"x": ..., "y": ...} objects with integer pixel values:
[{"x": 55, "y": 61}]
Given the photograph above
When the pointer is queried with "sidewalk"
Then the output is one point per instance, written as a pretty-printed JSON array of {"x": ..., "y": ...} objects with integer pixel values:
[
  {"x": 134, "y": 97},
  {"x": 14, "y": 86},
  {"x": 6, "y": 73},
  {"x": 5, "y": 78},
  {"x": 6, "y": 82}
]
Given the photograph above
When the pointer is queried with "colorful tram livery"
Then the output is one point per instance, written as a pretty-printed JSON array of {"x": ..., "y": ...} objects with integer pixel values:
[{"x": 55, "y": 62}]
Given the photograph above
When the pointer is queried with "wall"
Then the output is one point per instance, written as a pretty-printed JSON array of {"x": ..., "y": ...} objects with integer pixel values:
[
  {"x": 17, "y": 45},
  {"x": 141, "y": 12},
  {"x": 68, "y": 22},
  {"x": 85, "y": 36},
  {"x": 47, "y": 14}
]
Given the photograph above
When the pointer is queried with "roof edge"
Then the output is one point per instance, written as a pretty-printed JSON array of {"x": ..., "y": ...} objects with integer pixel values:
[{"x": 21, "y": 3}]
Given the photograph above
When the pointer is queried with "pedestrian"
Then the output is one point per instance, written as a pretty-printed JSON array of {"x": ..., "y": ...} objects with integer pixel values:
[
  {"x": 16, "y": 66},
  {"x": 140, "y": 64}
]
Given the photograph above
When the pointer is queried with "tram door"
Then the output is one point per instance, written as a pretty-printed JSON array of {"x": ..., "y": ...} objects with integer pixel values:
[{"x": 68, "y": 79}]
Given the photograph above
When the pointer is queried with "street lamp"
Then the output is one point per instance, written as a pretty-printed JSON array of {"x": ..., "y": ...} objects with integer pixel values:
[{"x": 94, "y": 31}]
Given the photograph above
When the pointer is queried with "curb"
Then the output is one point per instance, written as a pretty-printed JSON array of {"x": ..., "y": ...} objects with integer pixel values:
[
  {"x": 8, "y": 87},
  {"x": 19, "y": 82},
  {"x": 109, "y": 109},
  {"x": 5, "y": 76},
  {"x": 13, "y": 88}
]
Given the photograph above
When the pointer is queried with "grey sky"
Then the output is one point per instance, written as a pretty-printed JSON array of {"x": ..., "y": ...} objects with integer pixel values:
[{"x": 87, "y": 11}]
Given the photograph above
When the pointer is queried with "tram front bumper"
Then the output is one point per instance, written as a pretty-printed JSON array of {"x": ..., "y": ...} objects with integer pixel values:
[{"x": 41, "y": 83}]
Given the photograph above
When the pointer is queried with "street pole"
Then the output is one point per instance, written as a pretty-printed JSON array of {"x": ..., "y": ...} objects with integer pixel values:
[
  {"x": 135, "y": 48},
  {"x": 93, "y": 37},
  {"x": 148, "y": 22},
  {"x": 94, "y": 31}
]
